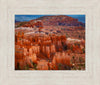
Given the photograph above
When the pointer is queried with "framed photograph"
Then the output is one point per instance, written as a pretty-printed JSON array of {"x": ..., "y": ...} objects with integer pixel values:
[{"x": 49, "y": 42}]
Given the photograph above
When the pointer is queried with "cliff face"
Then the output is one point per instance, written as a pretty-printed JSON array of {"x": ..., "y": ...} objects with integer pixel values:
[{"x": 33, "y": 23}]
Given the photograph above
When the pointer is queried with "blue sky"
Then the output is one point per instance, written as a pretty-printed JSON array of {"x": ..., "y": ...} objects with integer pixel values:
[{"x": 80, "y": 18}]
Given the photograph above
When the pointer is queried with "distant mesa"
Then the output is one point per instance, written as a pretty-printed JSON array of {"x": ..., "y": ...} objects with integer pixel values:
[{"x": 59, "y": 20}]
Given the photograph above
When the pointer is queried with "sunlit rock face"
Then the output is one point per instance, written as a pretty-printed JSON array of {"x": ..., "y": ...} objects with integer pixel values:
[
  {"x": 61, "y": 61},
  {"x": 33, "y": 46},
  {"x": 42, "y": 65},
  {"x": 33, "y": 58}
]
